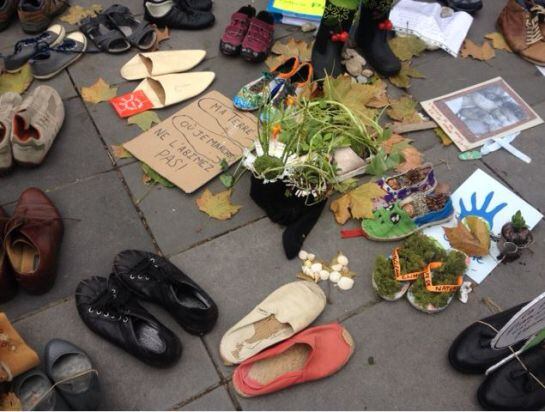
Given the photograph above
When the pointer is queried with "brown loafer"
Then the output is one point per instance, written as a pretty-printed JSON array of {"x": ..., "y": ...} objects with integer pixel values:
[
  {"x": 36, "y": 15},
  {"x": 8, "y": 285},
  {"x": 32, "y": 241},
  {"x": 7, "y": 12}
]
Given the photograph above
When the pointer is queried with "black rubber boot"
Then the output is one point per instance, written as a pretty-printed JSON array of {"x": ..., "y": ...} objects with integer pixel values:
[
  {"x": 372, "y": 37},
  {"x": 331, "y": 37}
]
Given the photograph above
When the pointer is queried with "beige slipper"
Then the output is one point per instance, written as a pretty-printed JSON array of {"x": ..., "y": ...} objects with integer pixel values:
[
  {"x": 286, "y": 311},
  {"x": 161, "y": 62},
  {"x": 170, "y": 89}
]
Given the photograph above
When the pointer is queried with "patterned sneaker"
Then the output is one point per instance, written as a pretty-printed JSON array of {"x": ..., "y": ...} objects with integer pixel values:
[
  {"x": 231, "y": 41},
  {"x": 8, "y": 105},
  {"x": 259, "y": 39}
]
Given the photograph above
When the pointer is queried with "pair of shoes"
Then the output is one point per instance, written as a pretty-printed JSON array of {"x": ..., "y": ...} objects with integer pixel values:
[
  {"x": 290, "y": 77},
  {"x": 518, "y": 384},
  {"x": 523, "y": 26},
  {"x": 249, "y": 35},
  {"x": 116, "y": 30},
  {"x": 29, "y": 126},
  {"x": 70, "y": 381},
  {"x": 469, "y": 6},
  {"x": 274, "y": 348},
  {"x": 164, "y": 83},
  {"x": 179, "y": 14},
  {"x": 35, "y": 15},
  {"x": 31, "y": 240},
  {"x": 422, "y": 270},
  {"x": 110, "y": 308}
]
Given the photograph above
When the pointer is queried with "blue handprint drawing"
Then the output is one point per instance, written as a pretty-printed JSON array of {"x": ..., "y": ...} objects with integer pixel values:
[{"x": 481, "y": 212}]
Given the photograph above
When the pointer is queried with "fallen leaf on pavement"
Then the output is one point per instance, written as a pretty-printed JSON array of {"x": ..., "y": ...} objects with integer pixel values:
[
  {"x": 76, "y": 13},
  {"x": 357, "y": 204},
  {"x": 161, "y": 35},
  {"x": 341, "y": 209},
  {"x": 407, "y": 47},
  {"x": 151, "y": 177},
  {"x": 442, "y": 136},
  {"x": 120, "y": 152},
  {"x": 10, "y": 402},
  {"x": 473, "y": 239},
  {"x": 404, "y": 110},
  {"x": 380, "y": 99},
  {"x": 396, "y": 142},
  {"x": 403, "y": 78},
  {"x": 484, "y": 52},
  {"x": 498, "y": 41},
  {"x": 16, "y": 82},
  {"x": 412, "y": 159},
  {"x": 292, "y": 48},
  {"x": 217, "y": 206},
  {"x": 100, "y": 91},
  {"x": 144, "y": 120}
]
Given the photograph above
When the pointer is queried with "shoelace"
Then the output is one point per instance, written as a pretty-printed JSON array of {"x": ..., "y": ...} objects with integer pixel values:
[
  {"x": 533, "y": 31},
  {"x": 149, "y": 268},
  {"x": 28, "y": 42},
  {"x": 112, "y": 303}
]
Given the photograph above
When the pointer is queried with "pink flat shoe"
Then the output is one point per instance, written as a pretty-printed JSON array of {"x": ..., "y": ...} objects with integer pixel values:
[{"x": 310, "y": 355}]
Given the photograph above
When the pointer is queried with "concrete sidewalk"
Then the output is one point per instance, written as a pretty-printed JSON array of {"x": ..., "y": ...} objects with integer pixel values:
[{"x": 400, "y": 361}]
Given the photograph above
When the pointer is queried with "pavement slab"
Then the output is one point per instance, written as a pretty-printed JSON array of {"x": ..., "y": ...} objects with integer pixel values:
[{"x": 216, "y": 400}]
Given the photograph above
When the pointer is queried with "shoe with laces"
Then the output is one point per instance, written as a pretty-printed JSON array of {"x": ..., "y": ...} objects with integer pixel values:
[
  {"x": 8, "y": 9},
  {"x": 36, "y": 15},
  {"x": 166, "y": 13},
  {"x": 259, "y": 39},
  {"x": 112, "y": 312},
  {"x": 8, "y": 105},
  {"x": 231, "y": 41}
]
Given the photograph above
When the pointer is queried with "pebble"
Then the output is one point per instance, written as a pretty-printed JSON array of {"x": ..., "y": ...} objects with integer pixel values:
[
  {"x": 446, "y": 12},
  {"x": 308, "y": 27},
  {"x": 362, "y": 79},
  {"x": 368, "y": 73}
]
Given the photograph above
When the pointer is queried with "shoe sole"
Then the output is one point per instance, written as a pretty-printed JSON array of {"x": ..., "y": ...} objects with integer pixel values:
[{"x": 393, "y": 239}]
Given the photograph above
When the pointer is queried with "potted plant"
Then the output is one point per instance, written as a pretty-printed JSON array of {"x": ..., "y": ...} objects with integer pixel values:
[{"x": 515, "y": 236}]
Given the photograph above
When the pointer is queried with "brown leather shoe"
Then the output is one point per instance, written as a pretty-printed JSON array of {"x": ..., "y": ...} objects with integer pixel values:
[
  {"x": 32, "y": 242},
  {"x": 520, "y": 26},
  {"x": 36, "y": 15},
  {"x": 7, "y": 12},
  {"x": 8, "y": 285}
]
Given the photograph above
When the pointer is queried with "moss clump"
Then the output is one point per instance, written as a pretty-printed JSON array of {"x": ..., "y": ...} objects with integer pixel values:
[
  {"x": 268, "y": 166},
  {"x": 453, "y": 266},
  {"x": 415, "y": 254}
]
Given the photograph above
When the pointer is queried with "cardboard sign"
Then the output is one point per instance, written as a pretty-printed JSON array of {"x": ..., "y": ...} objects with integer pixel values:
[{"x": 189, "y": 147}]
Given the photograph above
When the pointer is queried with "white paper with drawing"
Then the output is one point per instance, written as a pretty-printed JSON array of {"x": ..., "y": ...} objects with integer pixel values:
[
  {"x": 189, "y": 147},
  {"x": 483, "y": 196},
  {"x": 424, "y": 21}
]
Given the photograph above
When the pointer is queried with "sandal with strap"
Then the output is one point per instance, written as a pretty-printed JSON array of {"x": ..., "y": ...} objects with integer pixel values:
[
  {"x": 139, "y": 34},
  {"x": 104, "y": 35}
]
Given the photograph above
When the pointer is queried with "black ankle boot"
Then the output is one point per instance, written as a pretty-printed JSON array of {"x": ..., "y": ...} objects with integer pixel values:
[
  {"x": 372, "y": 37},
  {"x": 330, "y": 39}
]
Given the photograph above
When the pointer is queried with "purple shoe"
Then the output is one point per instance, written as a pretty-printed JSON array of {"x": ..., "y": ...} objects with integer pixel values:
[
  {"x": 399, "y": 187},
  {"x": 235, "y": 32},
  {"x": 259, "y": 39}
]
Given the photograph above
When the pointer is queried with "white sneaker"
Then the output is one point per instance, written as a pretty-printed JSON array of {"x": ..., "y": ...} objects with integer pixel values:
[{"x": 8, "y": 104}]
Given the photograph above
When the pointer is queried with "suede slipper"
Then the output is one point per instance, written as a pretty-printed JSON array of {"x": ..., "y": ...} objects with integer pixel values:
[
  {"x": 286, "y": 311},
  {"x": 51, "y": 61},
  {"x": 159, "y": 63}
]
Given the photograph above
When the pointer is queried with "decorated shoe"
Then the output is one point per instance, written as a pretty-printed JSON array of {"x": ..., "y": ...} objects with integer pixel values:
[
  {"x": 402, "y": 219},
  {"x": 399, "y": 187}
]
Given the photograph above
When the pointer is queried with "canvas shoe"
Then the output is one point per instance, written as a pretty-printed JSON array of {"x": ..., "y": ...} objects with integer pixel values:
[
  {"x": 8, "y": 104},
  {"x": 36, "y": 124}
]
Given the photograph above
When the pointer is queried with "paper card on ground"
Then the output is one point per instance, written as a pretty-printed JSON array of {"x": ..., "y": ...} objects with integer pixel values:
[
  {"x": 189, "y": 147},
  {"x": 541, "y": 69},
  {"x": 299, "y": 9},
  {"x": 483, "y": 196},
  {"x": 131, "y": 103}
]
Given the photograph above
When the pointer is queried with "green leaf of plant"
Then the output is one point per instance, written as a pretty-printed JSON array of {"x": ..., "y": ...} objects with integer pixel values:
[
  {"x": 16, "y": 82},
  {"x": 224, "y": 165},
  {"x": 144, "y": 120},
  {"x": 227, "y": 180},
  {"x": 442, "y": 136},
  {"x": 153, "y": 178},
  {"x": 407, "y": 47}
]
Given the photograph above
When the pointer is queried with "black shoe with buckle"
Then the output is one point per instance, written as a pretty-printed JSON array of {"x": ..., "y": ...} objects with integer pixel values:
[
  {"x": 113, "y": 313},
  {"x": 154, "y": 279}
]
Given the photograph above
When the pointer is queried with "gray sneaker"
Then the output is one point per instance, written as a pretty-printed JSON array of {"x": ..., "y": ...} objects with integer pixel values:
[
  {"x": 8, "y": 104},
  {"x": 36, "y": 123}
]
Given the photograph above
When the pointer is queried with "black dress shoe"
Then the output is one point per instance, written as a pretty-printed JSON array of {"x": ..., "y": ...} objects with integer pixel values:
[
  {"x": 471, "y": 351},
  {"x": 176, "y": 15},
  {"x": 513, "y": 388},
  {"x": 154, "y": 279},
  {"x": 113, "y": 313},
  {"x": 202, "y": 5}
]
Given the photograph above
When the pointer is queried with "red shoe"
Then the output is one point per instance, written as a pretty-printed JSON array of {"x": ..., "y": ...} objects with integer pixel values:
[
  {"x": 231, "y": 41},
  {"x": 310, "y": 355},
  {"x": 259, "y": 39}
]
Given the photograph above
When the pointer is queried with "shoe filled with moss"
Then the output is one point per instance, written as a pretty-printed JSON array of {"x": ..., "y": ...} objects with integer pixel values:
[
  {"x": 415, "y": 254},
  {"x": 454, "y": 266}
]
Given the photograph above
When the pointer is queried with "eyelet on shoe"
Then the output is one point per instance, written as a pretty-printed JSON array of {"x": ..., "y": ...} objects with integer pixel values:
[
  {"x": 125, "y": 319},
  {"x": 90, "y": 310},
  {"x": 152, "y": 260},
  {"x": 131, "y": 277},
  {"x": 139, "y": 277},
  {"x": 107, "y": 315},
  {"x": 99, "y": 312},
  {"x": 146, "y": 277}
]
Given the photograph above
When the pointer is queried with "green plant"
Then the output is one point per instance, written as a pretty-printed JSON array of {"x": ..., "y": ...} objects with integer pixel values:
[{"x": 518, "y": 221}]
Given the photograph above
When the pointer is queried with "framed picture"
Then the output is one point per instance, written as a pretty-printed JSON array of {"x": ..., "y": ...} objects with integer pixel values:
[{"x": 479, "y": 113}]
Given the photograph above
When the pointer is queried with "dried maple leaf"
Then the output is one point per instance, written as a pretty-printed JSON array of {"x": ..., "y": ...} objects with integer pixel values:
[
  {"x": 498, "y": 41},
  {"x": 100, "y": 91},
  {"x": 473, "y": 239},
  {"x": 483, "y": 52},
  {"x": 144, "y": 120},
  {"x": 442, "y": 136},
  {"x": 407, "y": 47},
  {"x": 217, "y": 206},
  {"x": 119, "y": 152},
  {"x": 10, "y": 402},
  {"x": 160, "y": 36},
  {"x": 394, "y": 142},
  {"x": 357, "y": 204},
  {"x": 293, "y": 48},
  {"x": 380, "y": 99},
  {"x": 404, "y": 110},
  {"x": 412, "y": 159},
  {"x": 76, "y": 13},
  {"x": 151, "y": 177},
  {"x": 403, "y": 78},
  {"x": 341, "y": 209},
  {"x": 16, "y": 82}
]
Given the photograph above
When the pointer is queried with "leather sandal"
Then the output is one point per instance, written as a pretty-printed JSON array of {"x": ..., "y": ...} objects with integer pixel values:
[
  {"x": 139, "y": 34},
  {"x": 104, "y": 35}
]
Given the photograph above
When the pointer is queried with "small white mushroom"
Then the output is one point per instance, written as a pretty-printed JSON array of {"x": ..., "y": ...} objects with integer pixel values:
[
  {"x": 307, "y": 271},
  {"x": 345, "y": 283},
  {"x": 316, "y": 267},
  {"x": 337, "y": 267},
  {"x": 324, "y": 275},
  {"x": 311, "y": 257},
  {"x": 342, "y": 259},
  {"x": 308, "y": 263},
  {"x": 335, "y": 276},
  {"x": 303, "y": 255}
]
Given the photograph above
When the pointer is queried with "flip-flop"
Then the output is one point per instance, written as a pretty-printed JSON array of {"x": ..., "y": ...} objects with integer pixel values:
[
  {"x": 158, "y": 63},
  {"x": 140, "y": 34},
  {"x": 170, "y": 89},
  {"x": 104, "y": 36},
  {"x": 51, "y": 61}
]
